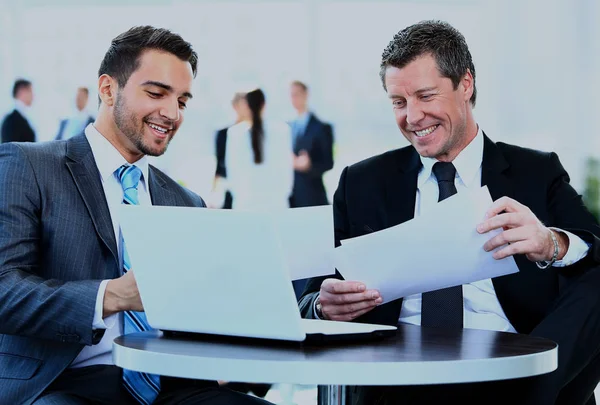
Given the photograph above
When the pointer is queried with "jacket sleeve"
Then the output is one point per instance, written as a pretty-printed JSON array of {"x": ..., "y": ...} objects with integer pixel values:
[
  {"x": 30, "y": 304},
  {"x": 342, "y": 231},
  {"x": 568, "y": 212},
  {"x": 322, "y": 152}
]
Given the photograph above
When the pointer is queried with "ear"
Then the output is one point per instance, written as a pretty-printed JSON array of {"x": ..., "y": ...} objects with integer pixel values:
[
  {"x": 107, "y": 89},
  {"x": 467, "y": 84}
]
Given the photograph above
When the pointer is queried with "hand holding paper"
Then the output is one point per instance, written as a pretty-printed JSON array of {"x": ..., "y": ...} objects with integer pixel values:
[{"x": 427, "y": 253}]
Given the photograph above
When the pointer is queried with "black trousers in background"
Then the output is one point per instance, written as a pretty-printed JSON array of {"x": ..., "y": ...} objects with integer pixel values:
[
  {"x": 573, "y": 323},
  {"x": 103, "y": 385}
]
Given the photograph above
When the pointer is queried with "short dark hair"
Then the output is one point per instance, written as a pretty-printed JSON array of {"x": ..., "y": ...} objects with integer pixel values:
[
  {"x": 83, "y": 89},
  {"x": 20, "y": 84},
  {"x": 300, "y": 84},
  {"x": 438, "y": 38},
  {"x": 122, "y": 58}
]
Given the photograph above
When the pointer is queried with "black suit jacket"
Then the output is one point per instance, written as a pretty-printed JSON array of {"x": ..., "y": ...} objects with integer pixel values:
[
  {"x": 56, "y": 245},
  {"x": 221, "y": 170},
  {"x": 317, "y": 140},
  {"x": 15, "y": 128},
  {"x": 380, "y": 192}
]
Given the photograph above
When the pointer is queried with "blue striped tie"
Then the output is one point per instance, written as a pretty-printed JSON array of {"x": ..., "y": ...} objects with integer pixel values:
[{"x": 143, "y": 387}]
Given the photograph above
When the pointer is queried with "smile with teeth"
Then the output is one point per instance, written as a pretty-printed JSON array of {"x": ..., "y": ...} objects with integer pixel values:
[
  {"x": 426, "y": 131},
  {"x": 157, "y": 128}
]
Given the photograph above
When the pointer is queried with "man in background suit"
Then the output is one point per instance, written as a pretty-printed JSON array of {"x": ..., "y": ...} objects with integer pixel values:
[
  {"x": 16, "y": 126},
  {"x": 429, "y": 77},
  {"x": 76, "y": 124},
  {"x": 313, "y": 156},
  {"x": 65, "y": 283},
  {"x": 313, "y": 150}
]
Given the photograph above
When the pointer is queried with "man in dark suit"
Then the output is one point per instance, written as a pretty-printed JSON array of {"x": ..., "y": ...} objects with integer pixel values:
[
  {"x": 429, "y": 77},
  {"x": 313, "y": 150},
  {"x": 313, "y": 156},
  {"x": 76, "y": 124},
  {"x": 65, "y": 283},
  {"x": 16, "y": 127}
]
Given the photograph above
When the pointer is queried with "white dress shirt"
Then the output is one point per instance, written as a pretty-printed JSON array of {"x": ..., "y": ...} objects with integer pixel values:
[
  {"x": 481, "y": 308},
  {"x": 263, "y": 186},
  {"x": 108, "y": 160}
]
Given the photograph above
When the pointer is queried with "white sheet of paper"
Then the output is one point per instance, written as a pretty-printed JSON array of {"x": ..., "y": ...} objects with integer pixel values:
[
  {"x": 307, "y": 240},
  {"x": 305, "y": 235},
  {"x": 437, "y": 250}
]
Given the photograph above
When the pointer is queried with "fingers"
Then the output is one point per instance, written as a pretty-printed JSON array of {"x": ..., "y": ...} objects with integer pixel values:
[
  {"x": 335, "y": 286},
  {"x": 505, "y": 221},
  {"x": 350, "y": 298},
  {"x": 345, "y": 300},
  {"x": 528, "y": 240},
  {"x": 510, "y": 250},
  {"x": 503, "y": 204},
  {"x": 352, "y": 316},
  {"x": 506, "y": 237}
]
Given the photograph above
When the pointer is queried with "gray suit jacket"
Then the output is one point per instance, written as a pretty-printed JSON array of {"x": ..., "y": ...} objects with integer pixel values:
[{"x": 56, "y": 245}]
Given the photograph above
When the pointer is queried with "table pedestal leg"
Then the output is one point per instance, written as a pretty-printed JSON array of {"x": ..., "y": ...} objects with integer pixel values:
[{"x": 332, "y": 395}]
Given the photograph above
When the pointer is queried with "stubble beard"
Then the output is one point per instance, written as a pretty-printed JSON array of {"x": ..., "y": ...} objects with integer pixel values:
[{"x": 125, "y": 121}]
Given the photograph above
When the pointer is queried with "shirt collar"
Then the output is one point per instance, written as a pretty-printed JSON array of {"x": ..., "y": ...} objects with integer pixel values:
[
  {"x": 467, "y": 163},
  {"x": 108, "y": 159},
  {"x": 303, "y": 118}
]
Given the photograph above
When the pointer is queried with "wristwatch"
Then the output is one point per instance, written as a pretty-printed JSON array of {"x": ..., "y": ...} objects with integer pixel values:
[
  {"x": 318, "y": 308},
  {"x": 547, "y": 263}
]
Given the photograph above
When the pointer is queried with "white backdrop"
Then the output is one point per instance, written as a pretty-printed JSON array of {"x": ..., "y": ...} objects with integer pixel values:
[{"x": 537, "y": 66}]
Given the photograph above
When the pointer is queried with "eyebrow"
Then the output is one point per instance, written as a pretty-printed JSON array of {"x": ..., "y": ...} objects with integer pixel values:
[
  {"x": 166, "y": 87},
  {"x": 420, "y": 91},
  {"x": 425, "y": 90}
]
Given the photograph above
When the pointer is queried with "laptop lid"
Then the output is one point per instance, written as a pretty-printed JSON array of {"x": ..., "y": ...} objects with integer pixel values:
[{"x": 211, "y": 271}]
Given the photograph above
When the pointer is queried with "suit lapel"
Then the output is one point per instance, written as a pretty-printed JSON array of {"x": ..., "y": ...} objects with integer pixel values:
[
  {"x": 494, "y": 170},
  {"x": 81, "y": 164},
  {"x": 159, "y": 194},
  {"x": 401, "y": 187}
]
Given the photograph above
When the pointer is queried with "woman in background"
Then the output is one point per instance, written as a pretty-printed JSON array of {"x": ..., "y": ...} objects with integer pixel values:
[{"x": 259, "y": 159}]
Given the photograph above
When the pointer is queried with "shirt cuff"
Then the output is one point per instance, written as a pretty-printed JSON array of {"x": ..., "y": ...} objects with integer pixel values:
[
  {"x": 314, "y": 305},
  {"x": 99, "y": 322},
  {"x": 578, "y": 249}
]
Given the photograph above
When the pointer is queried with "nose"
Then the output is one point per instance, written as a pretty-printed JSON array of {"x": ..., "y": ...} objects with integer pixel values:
[
  {"x": 414, "y": 114},
  {"x": 170, "y": 110}
]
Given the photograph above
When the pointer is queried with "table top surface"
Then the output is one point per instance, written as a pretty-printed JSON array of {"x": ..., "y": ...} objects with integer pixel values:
[{"x": 415, "y": 355}]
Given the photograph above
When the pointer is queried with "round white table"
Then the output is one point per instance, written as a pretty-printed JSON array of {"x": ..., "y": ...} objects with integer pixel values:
[{"x": 415, "y": 356}]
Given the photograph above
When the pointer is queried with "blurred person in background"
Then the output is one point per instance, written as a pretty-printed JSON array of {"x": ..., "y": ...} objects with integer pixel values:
[
  {"x": 259, "y": 159},
  {"x": 76, "y": 123},
  {"x": 313, "y": 156},
  {"x": 66, "y": 285},
  {"x": 17, "y": 126},
  {"x": 220, "y": 183},
  {"x": 313, "y": 151}
]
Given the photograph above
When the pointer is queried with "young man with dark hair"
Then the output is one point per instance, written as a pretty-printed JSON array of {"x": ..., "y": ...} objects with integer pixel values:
[
  {"x": 429, "y": 76},
  {"x": 66, "y": 285}
]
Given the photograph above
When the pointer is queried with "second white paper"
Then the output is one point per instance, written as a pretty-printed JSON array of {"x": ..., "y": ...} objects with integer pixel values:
[{"x": 430, "y": 252}]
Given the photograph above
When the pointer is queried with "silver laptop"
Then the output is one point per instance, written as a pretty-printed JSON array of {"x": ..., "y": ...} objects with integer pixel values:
[{"x": 220, "y": 272}]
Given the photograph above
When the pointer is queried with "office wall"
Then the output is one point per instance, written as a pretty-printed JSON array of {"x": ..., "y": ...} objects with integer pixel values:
[{"x": 537, "y": 65}]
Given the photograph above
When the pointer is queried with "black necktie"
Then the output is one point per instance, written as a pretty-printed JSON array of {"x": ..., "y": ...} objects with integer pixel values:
[{"x": 443, "y": 308}]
